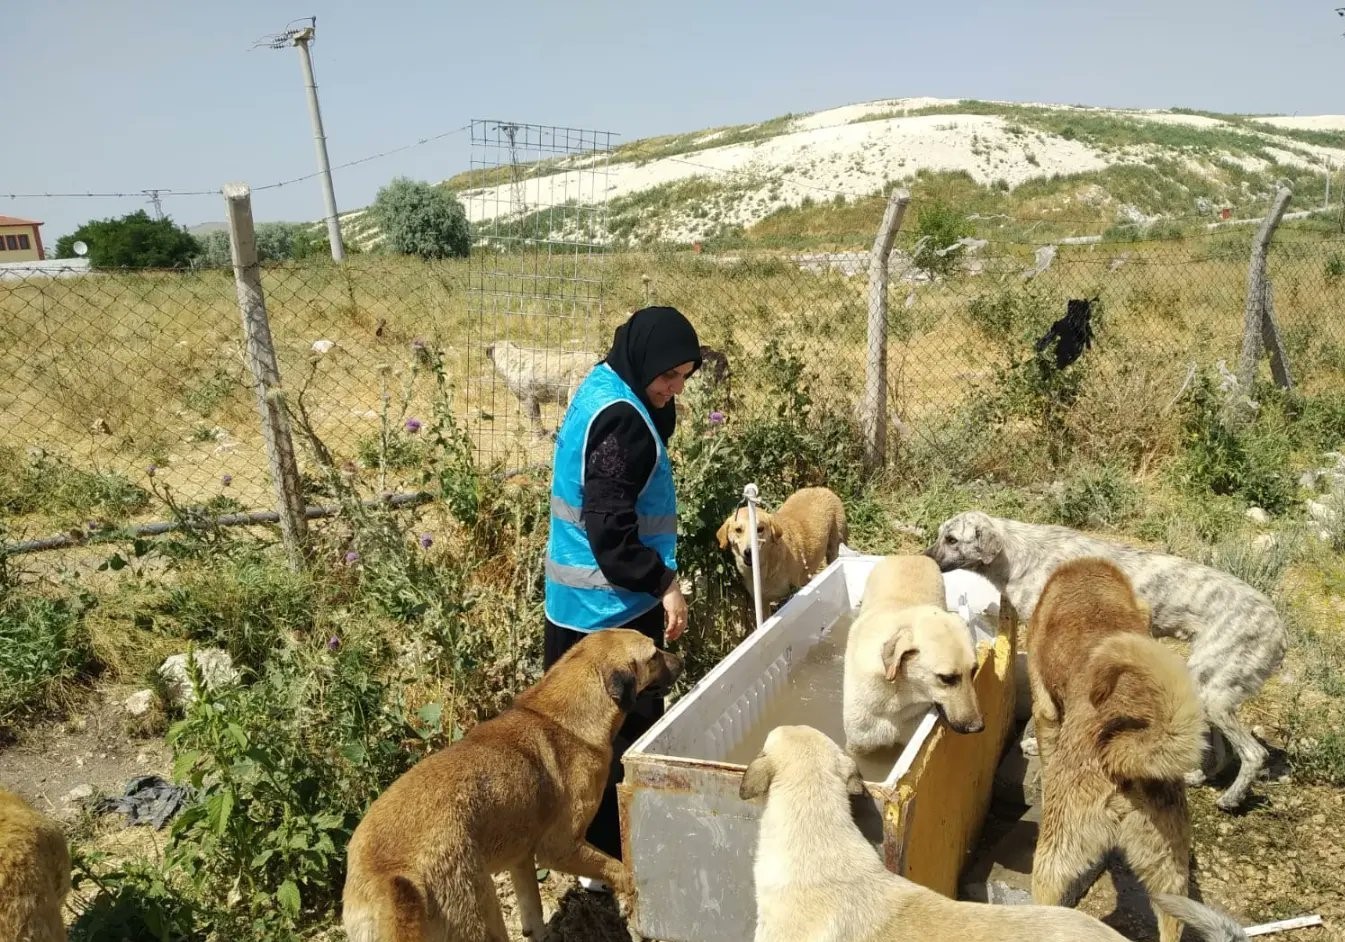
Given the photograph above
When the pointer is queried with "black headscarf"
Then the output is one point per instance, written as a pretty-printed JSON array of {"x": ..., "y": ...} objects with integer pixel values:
[{"x": 652, "y": 341}]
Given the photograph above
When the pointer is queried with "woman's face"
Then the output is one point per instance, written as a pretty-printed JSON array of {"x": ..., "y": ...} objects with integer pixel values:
[{"x": 668, "y": 384}]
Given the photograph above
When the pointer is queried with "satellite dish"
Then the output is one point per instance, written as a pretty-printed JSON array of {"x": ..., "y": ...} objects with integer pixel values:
[{"x": 81, "y": 249}]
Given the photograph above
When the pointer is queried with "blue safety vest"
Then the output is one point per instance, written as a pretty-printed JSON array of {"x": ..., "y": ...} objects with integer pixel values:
[{"x": 578, "y": 595}]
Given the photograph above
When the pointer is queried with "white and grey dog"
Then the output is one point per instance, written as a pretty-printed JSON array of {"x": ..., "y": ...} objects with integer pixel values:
[
  {"x": 1237, "y": 638},
  {"x": 537, "y": 376}
]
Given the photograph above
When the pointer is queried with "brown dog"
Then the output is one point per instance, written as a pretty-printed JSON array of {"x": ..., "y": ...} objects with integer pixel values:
[
  {"x": 516, "y": 792},
  {"x": 34, "y": 873},
  {"x": 797, "y": 542},
  {"x": 1118, "y": 726}
]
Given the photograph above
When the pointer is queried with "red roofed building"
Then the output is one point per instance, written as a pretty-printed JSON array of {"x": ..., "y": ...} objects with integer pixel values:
[{"x": 20, "y": 240}]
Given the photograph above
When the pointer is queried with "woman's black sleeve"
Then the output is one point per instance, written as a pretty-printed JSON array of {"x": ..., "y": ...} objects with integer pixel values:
[{"x": 619, "y": 457}]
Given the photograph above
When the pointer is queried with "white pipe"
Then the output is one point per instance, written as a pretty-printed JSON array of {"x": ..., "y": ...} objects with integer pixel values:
[
  {"x": 1298, "y": 922},
  {"x": 750, "y": 496}
]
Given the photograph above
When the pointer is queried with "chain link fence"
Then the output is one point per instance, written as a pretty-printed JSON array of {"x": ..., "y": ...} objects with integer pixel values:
[{"x": 114, "y": 382}]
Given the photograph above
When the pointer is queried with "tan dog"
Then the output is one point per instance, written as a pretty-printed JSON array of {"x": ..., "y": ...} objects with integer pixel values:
[
  {"x": 34, "y": 873},
  {"x": 906, "y": 653},
  {"x": 797, "y": 541},
  {"x": 516, "y": 792},
  {"x": 818, "y": 879},
  {"x": 1118, "y": 725}
]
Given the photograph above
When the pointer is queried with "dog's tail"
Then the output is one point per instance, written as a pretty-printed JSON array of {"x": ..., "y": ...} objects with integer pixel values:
[
  {"x": 1149, "y": 721},
  {"x": 394, "y": 909},
  {"x": 1210, "y": 924}
]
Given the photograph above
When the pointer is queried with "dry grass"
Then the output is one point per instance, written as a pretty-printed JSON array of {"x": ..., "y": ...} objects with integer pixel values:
[{"x": 119, "y": 371}]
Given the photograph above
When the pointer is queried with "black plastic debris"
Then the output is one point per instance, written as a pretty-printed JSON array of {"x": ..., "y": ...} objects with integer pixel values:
[
  {"x": 148, "y": 799},
  {"x": 1072, "y": 334}
]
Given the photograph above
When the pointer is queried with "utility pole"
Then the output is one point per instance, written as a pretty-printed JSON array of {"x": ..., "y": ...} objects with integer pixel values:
[
  {"x": 302, "y": 38},
  {"x": 156, "y": 201}
]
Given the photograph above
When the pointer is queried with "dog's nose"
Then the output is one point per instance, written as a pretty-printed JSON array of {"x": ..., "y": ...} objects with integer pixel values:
[
  {"x": 975, "y": 726},
  {"x": 747, "y": 555}
]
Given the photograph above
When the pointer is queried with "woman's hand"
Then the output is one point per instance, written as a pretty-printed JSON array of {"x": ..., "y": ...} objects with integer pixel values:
[{"x": 674, "y": 611}]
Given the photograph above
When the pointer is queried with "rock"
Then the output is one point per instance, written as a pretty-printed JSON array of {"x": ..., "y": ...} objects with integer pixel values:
[
  {"x": 1321, "y": 513},
  {"x": 216, "y": 668},
  {"x": 138, "y": 703},
  {"x": 1258, "y": 516},
  {"x": 79, "y": 793}
]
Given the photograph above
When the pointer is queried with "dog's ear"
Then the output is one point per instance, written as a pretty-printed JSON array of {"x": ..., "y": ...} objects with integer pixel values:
[
  {"x": 774, "y": 527},
  {"x": 621, "y": 687},
  {"x": 897, "y": 650},
  {"x": 987, "y": 541},
  {"x": 756, "y": 778},
  {"x": 722, "y": 535},
  {"x": 854, "y": 782}
]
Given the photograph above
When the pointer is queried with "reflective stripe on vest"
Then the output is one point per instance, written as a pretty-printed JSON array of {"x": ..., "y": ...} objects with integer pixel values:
[{"x": 650, "y": 524}]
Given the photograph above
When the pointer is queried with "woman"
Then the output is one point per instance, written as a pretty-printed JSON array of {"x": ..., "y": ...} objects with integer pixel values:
[{"x": 611, "y": 554}]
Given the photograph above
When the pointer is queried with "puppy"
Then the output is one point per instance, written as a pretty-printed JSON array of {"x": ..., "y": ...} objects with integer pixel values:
[
  {"x": 1237, "y": 638},
  {"x": 797, "y": 542},
  {"x": 819, "y": 880},
  {"x": 515, "y": 793},
  {"x": 538, "y": 376},
  {"x": 34, "y": 873},
  {"x": 906, "y": 653},
  {"x": 1118, "y": 726}
]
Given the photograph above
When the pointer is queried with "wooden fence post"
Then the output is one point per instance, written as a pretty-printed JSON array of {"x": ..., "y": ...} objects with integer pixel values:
[
  {"x": 261, "y": 357},
  {"x": 875, "y": 378},
  {"x": 1259, "y": 330}
]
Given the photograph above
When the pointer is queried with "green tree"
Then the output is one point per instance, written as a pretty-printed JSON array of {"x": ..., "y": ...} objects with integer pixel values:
[
  {"x": 133, "y": 241},
  {"x": 418, "y": 218}
]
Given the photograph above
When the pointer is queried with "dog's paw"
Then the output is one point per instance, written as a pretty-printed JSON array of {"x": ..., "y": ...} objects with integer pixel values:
[
  {"x": 1029, "y": 746},
  {"x": 1195, "y": 777}
]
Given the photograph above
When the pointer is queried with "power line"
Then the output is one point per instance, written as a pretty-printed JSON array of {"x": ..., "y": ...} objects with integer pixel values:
[{"x": 215, "y": 192}]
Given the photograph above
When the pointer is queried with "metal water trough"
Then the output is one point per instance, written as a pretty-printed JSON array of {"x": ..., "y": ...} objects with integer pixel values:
[{"x": 688, "y": 838}]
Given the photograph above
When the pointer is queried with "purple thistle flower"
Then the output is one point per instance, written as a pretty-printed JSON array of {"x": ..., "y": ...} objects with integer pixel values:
[
  {"x": 151, "y": 469},
  {"x": 226, "y": 480},
  {"x": 716, "y": 418},
  {"x": 333, "y": 643},
  {"x": 418, "y": 344},
  {"x": 352, "y": 558},
  {"x": 426, "y": 541},
  {"x": 413, "y": 425}
]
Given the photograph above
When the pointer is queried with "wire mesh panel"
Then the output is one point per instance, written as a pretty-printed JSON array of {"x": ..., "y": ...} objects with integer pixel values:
[{"x": 535, "y": 283}]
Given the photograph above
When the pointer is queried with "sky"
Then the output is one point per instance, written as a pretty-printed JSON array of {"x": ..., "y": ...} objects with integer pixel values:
[{"x": 126, "y": 95}]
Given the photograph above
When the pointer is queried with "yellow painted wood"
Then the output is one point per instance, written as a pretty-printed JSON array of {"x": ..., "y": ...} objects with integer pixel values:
[{"x": 935, "y": 816}]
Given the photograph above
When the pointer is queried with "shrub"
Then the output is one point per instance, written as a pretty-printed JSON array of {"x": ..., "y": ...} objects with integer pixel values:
[
  {"x": 1334, "y": 268},
  {"x": 1096, "y": 496},
  {"x": 1249, "y": 461},
  {"x": 245, "y": 605},
  {"x": 939, "y": 226},
  {"x": 133, "y": 241},
  {"x": 46, "y": 483},
  {"x": 42, "y": 646},
  {"x": 422, "y": 219},
  {"x": 276, "y": 242}
]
